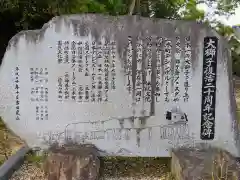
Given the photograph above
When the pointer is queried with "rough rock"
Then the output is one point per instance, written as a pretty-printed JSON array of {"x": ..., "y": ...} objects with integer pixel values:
[
  {"x": 112, "y": 168},
  {"x": 201, "y": 163},
  {"x": 72, "y": 161}
]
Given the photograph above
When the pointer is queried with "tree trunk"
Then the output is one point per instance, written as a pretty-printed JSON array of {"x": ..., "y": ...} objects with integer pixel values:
[
  {"x": 132, "y": 6},
  {"x": 138, "y": 7}
]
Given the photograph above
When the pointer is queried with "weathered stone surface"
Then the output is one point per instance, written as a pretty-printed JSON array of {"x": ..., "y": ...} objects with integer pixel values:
[
  {"x": 132, "y": 86},
  {"x": 202, "y": 163},
  {"x": 112, "y": 168},
  {"x": 72, "y": 161}
]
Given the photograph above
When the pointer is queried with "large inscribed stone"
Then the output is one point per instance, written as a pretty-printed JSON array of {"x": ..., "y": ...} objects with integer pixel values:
[{"x": 132, "y": 86}]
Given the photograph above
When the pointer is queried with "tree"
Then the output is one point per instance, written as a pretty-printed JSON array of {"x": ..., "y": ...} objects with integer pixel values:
[
  {"x": 221, "y": 7},
  {"x": 17, "y": 15},
  {"x": 234, "y": 44}
]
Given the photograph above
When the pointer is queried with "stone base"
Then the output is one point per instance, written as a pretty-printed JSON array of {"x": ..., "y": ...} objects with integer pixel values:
[
  {"x": 204, "y": 164},
  {"x": 72, "y": 161}
]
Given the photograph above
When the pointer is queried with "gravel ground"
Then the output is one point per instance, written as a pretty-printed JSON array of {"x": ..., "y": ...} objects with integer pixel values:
[
  {"x": 28, "y": 172},
  {"x": 110, "y": 170}
]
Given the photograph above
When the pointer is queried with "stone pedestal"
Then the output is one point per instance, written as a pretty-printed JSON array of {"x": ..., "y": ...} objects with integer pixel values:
[
  {"x": 72, "y": 162},
  {"x": 204, "y": 164}
]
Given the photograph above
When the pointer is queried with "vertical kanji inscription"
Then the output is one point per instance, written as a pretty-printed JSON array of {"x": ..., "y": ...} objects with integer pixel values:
[{"x": 209, "y": 88}]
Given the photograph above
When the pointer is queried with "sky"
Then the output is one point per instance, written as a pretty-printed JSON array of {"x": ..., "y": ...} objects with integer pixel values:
[{"x": 233, "y": 20}]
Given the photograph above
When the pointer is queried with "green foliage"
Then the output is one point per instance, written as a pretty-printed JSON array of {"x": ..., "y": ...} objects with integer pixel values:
[
  {"x": 34, "y": 158},
  {"x": 191, "y": 12},
  {"x": 167, "y": 9},
  {"x": 226, "y": 7},
  {"x": 234, "y": 44},
  {"x": 17, "y": 15},
  {"x": 32, "y": 13},
  {"x": 221, "y": 7},
  {"x": 224, "y": 30}
]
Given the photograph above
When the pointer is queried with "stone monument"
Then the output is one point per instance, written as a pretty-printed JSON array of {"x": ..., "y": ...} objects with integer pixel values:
[{"x": 130, "y": 85}]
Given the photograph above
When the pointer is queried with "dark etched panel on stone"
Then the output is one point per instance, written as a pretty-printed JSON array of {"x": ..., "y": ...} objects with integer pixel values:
[{"x": 209, "y": 88}]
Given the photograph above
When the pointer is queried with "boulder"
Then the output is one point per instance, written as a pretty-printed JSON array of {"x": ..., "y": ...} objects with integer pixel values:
[
  {"x": 72, "y": 161},
  {"x": 204, "y": 163}
]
